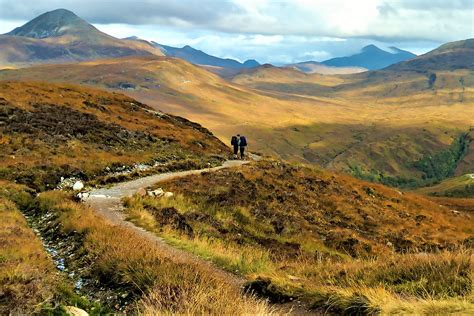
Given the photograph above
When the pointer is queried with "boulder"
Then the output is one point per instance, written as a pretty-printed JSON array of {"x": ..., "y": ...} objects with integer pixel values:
[
  {"x": 75, "y": 311},
  {"x": 78, "y": 186}
]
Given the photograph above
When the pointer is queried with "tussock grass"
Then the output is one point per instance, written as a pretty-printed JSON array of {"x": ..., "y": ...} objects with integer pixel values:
[
  {"x": 125, "y": 259},
  {"x": 386, "y": 281},
  {"x": 27, "y": 275}
]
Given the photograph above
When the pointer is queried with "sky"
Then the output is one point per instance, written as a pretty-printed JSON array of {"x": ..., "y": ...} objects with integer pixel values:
[{"x": 270, "y": 31}]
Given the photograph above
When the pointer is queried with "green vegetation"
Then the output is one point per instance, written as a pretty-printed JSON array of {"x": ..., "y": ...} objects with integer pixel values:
[
  {"x": 268, "y": 222},
  {"x": 442, "y": 164},
  {"x": 434, "y": 168}
]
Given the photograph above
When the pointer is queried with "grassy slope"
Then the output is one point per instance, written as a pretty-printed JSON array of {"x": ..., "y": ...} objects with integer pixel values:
[
  {"x": 49, "y": 131},
  {"x": 328, "y": 239},
  {"x": 29, "y": 281},
  {"x": 155, "y": 282},
  {"x": 380, "y": 123}
]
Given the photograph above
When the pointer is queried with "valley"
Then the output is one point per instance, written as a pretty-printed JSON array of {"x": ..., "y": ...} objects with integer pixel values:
[{"x": 119, "y": 193}]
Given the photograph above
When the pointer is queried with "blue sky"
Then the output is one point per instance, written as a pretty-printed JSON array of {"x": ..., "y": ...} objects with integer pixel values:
[{"x": 274, "y": 31}]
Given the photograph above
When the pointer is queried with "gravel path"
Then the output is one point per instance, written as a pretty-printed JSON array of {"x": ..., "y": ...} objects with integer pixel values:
[{"x": 108, "y": 203}]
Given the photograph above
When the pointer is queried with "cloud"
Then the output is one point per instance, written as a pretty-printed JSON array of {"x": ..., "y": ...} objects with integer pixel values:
[
  {"x": 435, "y": 20},
  {"x": 276, "y": 31}
]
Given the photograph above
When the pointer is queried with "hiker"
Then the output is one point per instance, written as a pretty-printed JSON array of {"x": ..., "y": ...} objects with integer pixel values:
[
  {"x": 242, "y": 145},
  {"x": 235, "y": 143}
]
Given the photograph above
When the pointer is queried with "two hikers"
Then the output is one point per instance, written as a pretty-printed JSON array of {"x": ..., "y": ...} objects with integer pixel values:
[{"x": 239, "y": 142}]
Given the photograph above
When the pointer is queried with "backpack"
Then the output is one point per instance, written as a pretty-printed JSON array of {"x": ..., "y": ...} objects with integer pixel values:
[
  {"x": 243, "y": 141},
  {"x": 234, "y": 141}
]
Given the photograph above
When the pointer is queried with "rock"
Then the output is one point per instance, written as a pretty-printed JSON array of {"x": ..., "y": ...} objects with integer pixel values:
[
  {"x": 168, "y": 195},
  {"x": 141, "y": 192},
  {"x": 75, "y": 311},
  {"x": 389, "y": 244},
  {"x": 78, "y": 186},
  {"x": 158, "y": 192},
  {"x": 83, "y": 195},
  {"x": 455, "y": 212}
]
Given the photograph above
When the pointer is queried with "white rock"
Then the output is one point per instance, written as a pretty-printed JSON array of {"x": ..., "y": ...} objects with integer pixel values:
[
  {"x": 78, "y": 186},
  {"x": 75, "y": 311},
  {"x": 168, "y": 195},
  {"x": 158, "y": 192}
]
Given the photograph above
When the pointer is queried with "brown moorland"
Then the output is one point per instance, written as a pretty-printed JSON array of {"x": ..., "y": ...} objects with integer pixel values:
[
  {"x": 51, "y": 131},
  {"x": 376, "y": 125},
  {"x": 301, "y": 233}
]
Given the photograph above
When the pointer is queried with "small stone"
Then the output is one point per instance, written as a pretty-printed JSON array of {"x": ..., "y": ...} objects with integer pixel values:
[
  {"x": 158, "y": 192},
  {"x": 78, "y": 185},
  {"x": 75, "y": 311},
  {"x": 141, "y": 192},
  {"x": 168, "y": 195},
  {"x": 389, "y": 244}
]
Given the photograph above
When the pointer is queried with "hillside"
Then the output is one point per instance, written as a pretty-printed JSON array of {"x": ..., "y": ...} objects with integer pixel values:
[
  {"x": 447, "y": 57},
  {"x": 60, "y": 36},
  {"x": 299, "y": 233},
  {"x": 49, "y": 132},
  {"x": 199, "y": 57},
  {"x": 381, "y": 126},
  {"x": 371, "y": 57}
]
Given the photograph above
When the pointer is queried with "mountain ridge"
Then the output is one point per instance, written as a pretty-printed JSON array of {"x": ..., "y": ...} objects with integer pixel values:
[
  {"x": 198, "y": 57},
  {"x": 371, "y": 57}
]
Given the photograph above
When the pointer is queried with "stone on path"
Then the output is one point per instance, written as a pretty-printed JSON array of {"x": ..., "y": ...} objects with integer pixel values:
[
  {"x": 78, "y": 186},
  {"x": 168, "y": 195}
]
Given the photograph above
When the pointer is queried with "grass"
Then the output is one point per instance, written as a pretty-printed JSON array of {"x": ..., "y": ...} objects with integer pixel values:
[
  {"x": 54, "y": 131},
  {"x": 285, "y": 259},
  {"x": 382, "y": 126},
  {"x": 29, "y": 281},
  {"x": 132, "y": 262}
]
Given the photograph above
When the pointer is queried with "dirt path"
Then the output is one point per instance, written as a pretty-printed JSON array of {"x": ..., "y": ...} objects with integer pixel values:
[{"x": 108, "y": 203}]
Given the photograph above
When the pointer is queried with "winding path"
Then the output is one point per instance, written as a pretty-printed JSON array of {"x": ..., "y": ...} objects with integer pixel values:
[{"x": 108, "y": 203}]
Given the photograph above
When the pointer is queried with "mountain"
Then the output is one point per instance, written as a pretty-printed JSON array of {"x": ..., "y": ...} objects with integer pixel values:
[
  {"x": 450, "y": 56},
  {"x": 53, "y": 24},
  {"x": 372, "y": 58},
  {"x": 199, "y": 57},
  {"x": 319, "y": 68},
  {"x": 61, "y": 36}
]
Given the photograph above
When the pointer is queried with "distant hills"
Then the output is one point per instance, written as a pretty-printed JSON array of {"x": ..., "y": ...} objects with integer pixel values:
[
  {"x": 61, "y": 36},
  {"x": 199, "y": 57},
  {"x": 371, "y": 57},
  {"x": 450, "y": 56},
  {"x": 311, "y": 67}
]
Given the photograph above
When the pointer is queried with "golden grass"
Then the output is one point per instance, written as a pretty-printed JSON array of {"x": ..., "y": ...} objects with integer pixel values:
[
  {"x": 27, "y": 275},
  {"x": 129, "y": 260},
  {"x": 386, "y": 281},
  {"x": 333, "y": 121}
]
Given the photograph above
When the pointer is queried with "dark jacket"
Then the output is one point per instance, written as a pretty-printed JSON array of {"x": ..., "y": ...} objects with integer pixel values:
[
  {"x": 234, "y": 141},
  {"x": 243, "y": 141}
]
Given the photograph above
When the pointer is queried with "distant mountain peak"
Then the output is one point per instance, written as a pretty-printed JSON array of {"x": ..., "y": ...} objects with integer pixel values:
[
  {"x": 53, "y": 24},
  {"x": 371, "y": 57},
  {"x": 370, "y": 48}
]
